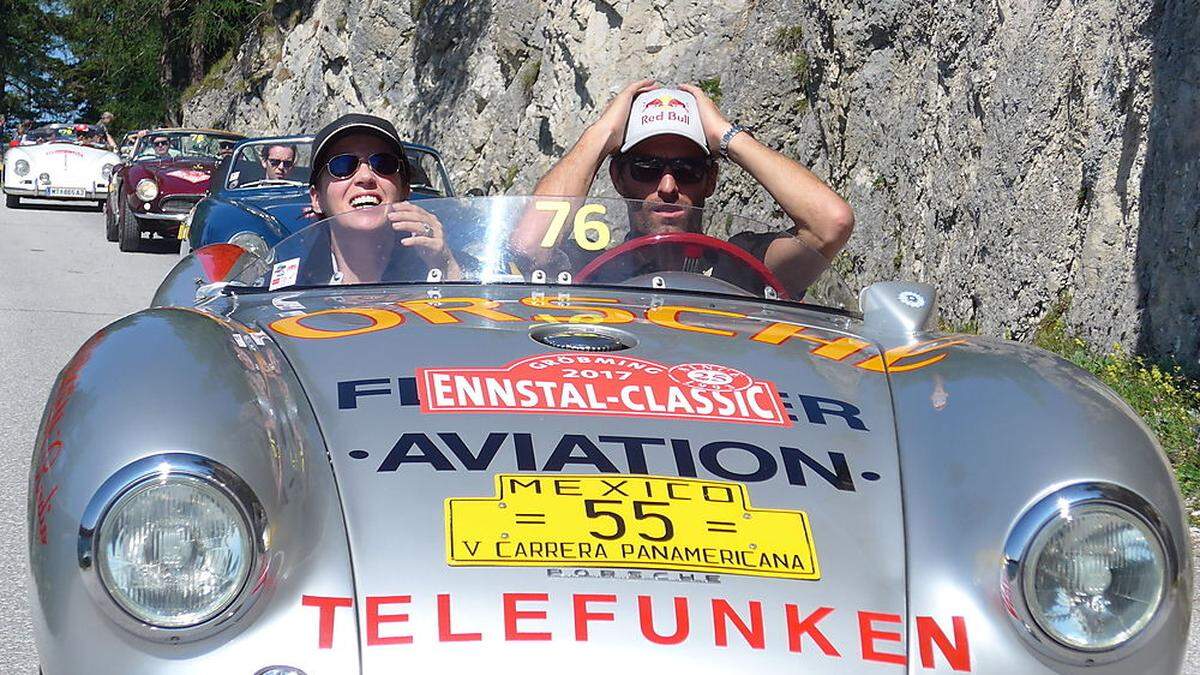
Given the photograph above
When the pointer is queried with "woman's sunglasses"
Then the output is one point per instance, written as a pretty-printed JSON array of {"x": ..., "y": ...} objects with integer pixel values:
[
  {"x": 382, "y": 163},
  {"x": 688, "y": 170}
]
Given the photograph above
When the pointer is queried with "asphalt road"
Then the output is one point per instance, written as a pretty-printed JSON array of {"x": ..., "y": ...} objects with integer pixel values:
[{"x": 60, "y": 282}]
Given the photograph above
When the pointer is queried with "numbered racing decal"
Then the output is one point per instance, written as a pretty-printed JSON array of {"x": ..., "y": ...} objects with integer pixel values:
[
  {"x": 604, "y": 385},
  {"x": 627, "y": 520}
]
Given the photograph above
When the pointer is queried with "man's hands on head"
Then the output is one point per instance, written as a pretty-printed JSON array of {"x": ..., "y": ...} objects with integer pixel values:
[
  {"x": 615, "y": 117},
  {"x": 715, "y": 124}
]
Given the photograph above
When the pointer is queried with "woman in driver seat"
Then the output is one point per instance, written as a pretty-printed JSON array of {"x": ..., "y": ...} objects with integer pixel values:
[{"x": 359, "y": 164}]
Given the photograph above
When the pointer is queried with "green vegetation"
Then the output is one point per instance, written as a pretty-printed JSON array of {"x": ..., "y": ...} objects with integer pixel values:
[
  {"x": 788, "y": 39},
  {"x": 70, "y": 59},
  {"x": 1167, "y": 400},
  {"x": 529, "y": 74},
  {"x": 510, "y": 176},
  {"x": 711, "y": 88}
]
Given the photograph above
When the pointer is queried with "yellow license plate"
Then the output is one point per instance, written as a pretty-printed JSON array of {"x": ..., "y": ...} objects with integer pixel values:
[
  {"x": 617, "y": 520},
  {"x": 184, "y": 231}
]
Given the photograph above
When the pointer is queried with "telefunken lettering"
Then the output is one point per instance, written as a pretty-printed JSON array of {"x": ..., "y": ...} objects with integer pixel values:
[{"x": 871, "y": 636}]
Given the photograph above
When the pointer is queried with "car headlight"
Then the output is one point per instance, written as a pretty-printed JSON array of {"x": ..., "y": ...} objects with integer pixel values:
[
  {"x": 106, "y": 171},
  {"x": 174, "y": 540},
  {"x": 252, "y": 243},
  {"x": 1088, "y": 568},
  {"x": 146, "y": 189},
  {"x": 21, "y": 167},
  {"x": 174, "y": 551},
  {"x": 44, "y": 178}
]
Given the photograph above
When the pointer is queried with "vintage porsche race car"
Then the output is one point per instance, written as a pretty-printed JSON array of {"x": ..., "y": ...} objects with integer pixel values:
[
  {"x": 60, "y": 162},
  {"x": 247, "y": 207},
  {"x": 155, "y": 189},
  {"x": 602, "y": 436}
]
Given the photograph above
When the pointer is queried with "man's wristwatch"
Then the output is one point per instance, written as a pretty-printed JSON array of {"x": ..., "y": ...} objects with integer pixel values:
[{"x": 733, "y": 131}]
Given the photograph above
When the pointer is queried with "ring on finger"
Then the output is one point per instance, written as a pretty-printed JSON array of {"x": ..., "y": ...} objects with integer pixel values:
[{"x": 428, "y": 230}]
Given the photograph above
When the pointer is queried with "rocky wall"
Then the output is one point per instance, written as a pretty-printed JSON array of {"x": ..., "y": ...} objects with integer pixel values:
[{"x": 1026, "y": 157}]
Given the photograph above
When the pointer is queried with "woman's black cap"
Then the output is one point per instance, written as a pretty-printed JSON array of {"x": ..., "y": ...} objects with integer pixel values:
[{"x": 353, "y": 123}]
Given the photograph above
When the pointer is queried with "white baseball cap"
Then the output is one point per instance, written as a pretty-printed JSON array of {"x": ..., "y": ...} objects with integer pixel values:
[{"x": 664, "y": 111}]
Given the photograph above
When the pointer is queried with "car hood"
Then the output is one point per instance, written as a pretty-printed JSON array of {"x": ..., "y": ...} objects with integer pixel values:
[
  {"x": 482, "y": 476},
  {"x": 178, "y": 176},
  {"x": 287, "y": 206}
]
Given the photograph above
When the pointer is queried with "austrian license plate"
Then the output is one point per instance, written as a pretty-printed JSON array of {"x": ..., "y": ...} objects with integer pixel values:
[
  {"x": 66, "y": 192},
  {"x": 616, "y": 520},
  {"x": 184, "y": 230}
]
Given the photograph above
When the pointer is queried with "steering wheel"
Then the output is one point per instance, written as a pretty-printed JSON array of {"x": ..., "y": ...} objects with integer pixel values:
[{"x": 694, "y": 247}]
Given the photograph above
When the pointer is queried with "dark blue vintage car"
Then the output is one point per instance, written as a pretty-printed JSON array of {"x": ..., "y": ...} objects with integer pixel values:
[{"x": 259, "y": 192}]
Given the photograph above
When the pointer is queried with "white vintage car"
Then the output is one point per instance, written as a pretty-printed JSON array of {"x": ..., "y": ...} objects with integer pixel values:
[{"x": 59, "y": 161}]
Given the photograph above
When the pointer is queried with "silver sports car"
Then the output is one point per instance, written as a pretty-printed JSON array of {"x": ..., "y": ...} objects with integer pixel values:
[{"x": 588, "y": 436}]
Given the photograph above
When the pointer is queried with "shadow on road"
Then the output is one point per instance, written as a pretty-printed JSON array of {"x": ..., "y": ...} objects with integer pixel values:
[
  {"x": 159, "y": 246},
  {"x": 51, "y": 206}
]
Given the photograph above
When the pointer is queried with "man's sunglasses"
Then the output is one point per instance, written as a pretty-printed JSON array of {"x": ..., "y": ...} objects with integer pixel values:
[
  {"x": 158, "y": 143},
  {"x": 382, "y": 163},
  {"x": 689, "y": 170},
  {"x": 285, "y": 163}
]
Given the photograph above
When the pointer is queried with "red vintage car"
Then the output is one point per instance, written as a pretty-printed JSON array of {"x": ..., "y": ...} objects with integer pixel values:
[{"x": 155, "y": 188}]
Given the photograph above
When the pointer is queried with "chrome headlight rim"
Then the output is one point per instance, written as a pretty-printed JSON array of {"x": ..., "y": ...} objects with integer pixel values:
[
  {"x": 146, "y": 189},
  {"x": 242, "y": 234},
  {"x": 106, "y": 172},
  {"x": 132, "y": 477},
  {"x": 1037, "y": 518},
  {"x": 21, "y": 167}
]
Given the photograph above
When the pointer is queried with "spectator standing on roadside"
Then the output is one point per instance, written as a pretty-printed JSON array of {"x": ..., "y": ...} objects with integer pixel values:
[{"x": 106, "y": 119}]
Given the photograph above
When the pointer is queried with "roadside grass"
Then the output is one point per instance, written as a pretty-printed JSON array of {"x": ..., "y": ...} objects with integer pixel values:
[{"x": 1167, "y": 400}]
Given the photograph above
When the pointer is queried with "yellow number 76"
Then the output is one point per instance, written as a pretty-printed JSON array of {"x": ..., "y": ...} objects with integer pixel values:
[{"x": 582, "y": 229}]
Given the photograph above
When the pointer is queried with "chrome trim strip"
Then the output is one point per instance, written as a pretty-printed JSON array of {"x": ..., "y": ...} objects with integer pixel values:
[
  {"x": 1056, "y": 505},
  {"x": 146, "y": 215},
  {"x": 147, "y": 469}
]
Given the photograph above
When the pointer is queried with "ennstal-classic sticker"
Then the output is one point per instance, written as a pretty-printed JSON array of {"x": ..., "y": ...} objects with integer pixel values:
[
  {"x": 628, "y": 520},
  {"x": 604, "y": 385}
]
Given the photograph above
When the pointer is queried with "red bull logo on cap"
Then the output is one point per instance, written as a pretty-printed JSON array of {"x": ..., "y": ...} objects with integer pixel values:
[{"x": 664, "y": 101}]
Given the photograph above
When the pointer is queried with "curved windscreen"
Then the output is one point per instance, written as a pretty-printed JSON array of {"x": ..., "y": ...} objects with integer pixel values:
[
  {"x": 164, "y": 145},
  {"x": 570, "y": 241}
]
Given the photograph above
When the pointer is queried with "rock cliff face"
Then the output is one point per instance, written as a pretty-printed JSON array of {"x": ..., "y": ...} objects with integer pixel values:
[{"x": 1027, "y": 157}]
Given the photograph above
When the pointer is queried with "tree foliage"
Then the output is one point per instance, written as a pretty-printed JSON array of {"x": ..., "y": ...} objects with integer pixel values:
[
  {"x": 63, "y": 59},
  {"x": 31, "y": 61}
]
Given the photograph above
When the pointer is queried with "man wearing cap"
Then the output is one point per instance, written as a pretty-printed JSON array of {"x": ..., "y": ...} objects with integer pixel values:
[
  {"x": 662, "y": 143},
  {"x": 359, "y": 163},
  {"x": 106, "y": 120}
]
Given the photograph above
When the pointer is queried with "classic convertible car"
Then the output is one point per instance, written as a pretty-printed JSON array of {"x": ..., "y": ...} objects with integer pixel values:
[
  {"x": 575, "y": 446},
  {"x": 155, "y": 189},
  {"x": 59, "y": 162},
  {"x": 248, "y": 207}
]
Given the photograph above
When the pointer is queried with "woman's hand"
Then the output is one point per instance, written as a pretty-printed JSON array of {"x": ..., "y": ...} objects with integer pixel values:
[{"x": 426, "y": 237}]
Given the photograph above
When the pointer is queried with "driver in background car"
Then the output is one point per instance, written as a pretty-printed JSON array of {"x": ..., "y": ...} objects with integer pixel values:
[
  {"x": 161, "y": 148},
  {"x": 662, "y": 143},
  {"x": 278, "y": 161},
  {"x": 359, "y": 163}
]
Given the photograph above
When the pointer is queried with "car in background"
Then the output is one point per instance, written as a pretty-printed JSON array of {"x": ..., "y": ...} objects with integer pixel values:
[
  {"x": 154, "y": 191},
  {"x": 65, "y": 162},
  {"x": 247, "y": 208}
]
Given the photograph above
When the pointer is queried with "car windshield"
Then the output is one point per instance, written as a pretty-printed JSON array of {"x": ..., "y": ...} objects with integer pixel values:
[
  {"x": 176, "y": 144},
  {"x": 270, "y": 162},
  {"x": 576, "y": 242},
  {"x": 82, "y": 134}
]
